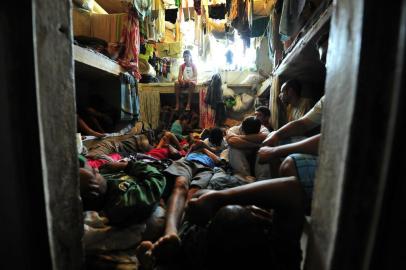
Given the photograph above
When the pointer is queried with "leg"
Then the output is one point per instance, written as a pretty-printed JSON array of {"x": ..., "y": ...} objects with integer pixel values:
[
  {"x": 304, "y": 167},
  {"x": 177, "y": 93},
  {"x": 287, "y": 168},
  {"x": 284, "y": 194},
  {"x": 168, "y": 245},
  {"x": 239, "y": 162},
  {"x": 191, "y": 89},
  {"x": 173, "y": 140},
  {"x": 262, "y": 171}
]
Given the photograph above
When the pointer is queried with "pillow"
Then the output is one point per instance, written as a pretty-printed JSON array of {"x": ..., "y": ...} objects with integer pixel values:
[
  {"x": 252, "y": 79},
  {"x": 227, "y": 91}
]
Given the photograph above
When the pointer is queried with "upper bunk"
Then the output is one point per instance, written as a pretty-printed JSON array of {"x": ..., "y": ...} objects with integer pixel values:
[
  {"x": 92, "y": 64},
  {"x": 301, "y": 58}
]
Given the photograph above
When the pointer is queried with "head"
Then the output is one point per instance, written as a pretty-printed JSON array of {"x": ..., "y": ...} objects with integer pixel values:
[
  {"x": 251, "y": 125},
  {"x": 184, "y": 119},
  {"x": 239, "y": 239},
  {"x": 263, "y": 113},
  {"x": 216, "y": 136},
  {"x": 290, "y": 91},
  {"x": 187, "y": 57},
  {"x": 322, "y": 47},
  {"x": 93, "y": 186}
]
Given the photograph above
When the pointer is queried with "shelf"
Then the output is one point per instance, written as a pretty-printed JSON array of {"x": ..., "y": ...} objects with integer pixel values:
[
  {"x": 300, "y": 56},
  {"x": 90, "y": 61},
  {"x": 163, "y": 88},
  {"x": 264, "y": 86}
]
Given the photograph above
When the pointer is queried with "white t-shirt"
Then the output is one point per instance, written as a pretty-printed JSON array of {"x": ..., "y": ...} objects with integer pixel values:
[
  {"x": 314, "y": 114},
  {"x": 188, "y": 73}
]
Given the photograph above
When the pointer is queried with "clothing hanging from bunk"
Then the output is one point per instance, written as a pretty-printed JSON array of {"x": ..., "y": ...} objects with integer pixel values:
[
  {"x": 206, "y": 112},
  {"x": 150, "y": 103},
  {"x": 130, "y": 36},
  {"x": 130, "y": 103}
]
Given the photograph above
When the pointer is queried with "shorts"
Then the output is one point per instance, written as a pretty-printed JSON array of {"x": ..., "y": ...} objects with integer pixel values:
[
  {"x": 197, "y": 174},
  {"x": 306, "y": 166}
]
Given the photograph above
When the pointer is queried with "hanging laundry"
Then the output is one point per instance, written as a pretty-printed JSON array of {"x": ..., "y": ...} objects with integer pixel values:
[
  {"x": 189, "y": 14},
  {"x": 130, "y": 104},
  {"x": 130, "y": 37},
  {"x": 217, "y": 11},
  {"x": 171, "y": 15},
  {"x": 198, "y": 6},
  {"x": 289, "y": 23}
]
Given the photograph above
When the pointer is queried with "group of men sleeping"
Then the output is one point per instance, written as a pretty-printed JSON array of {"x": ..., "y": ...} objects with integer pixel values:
[
  {"x": 125, "y": 180},
  {"x": 246, "y": 217}
]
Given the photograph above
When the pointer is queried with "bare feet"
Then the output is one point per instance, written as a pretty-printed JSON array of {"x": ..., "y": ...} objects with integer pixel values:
[
  {"x": 187, "y": 107},
  {"x": 162, "y": 250},
  {"x": 177, "y": 107},
  {"x": 144, "y": 255},
  {"x": 166, "y": 247}
]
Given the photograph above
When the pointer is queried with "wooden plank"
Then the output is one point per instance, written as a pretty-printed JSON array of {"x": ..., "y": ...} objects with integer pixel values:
[
  {"x": 96, "y": 60},
  {"x": 300, "y": 46}
]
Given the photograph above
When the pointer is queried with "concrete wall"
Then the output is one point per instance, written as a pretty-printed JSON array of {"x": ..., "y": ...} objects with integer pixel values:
[
  {"x": 57, "y": 125},
  {"x": 363, "y": 85}
]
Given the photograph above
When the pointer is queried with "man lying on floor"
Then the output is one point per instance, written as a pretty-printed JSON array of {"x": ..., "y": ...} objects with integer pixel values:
[
  {"x": 113, "y": 150},
  {"x": 129, "y": 193}
]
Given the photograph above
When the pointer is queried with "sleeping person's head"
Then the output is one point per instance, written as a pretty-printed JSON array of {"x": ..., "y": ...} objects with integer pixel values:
[
  {"x": 251, "y": 125},
  {"x": 93, "y": 187},
  {"x": 216, "y": 136}
]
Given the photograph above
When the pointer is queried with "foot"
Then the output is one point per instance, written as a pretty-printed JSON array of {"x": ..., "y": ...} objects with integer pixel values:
[
  {"x": 187, "y": 108},
  {"x": 177, "y": 108},
  {"x": 144, "y": 255},
  {"x": 166, "y": 247}
]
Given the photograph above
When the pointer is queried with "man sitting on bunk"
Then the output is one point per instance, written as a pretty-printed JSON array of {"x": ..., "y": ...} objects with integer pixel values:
[
  {"x": 184, "y": 177},
  {"x": 290, "y": 95},
  {"x": 187, "y": 79},
  {"x": 244, "y": 141},
  {"x": 302, "y": 156}
]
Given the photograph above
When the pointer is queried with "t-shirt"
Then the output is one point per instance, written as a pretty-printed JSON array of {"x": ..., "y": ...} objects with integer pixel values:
[
  {"x": 163, "y": 153},
  {"x": 133, "y": 194},
  {"x": 201, "y": 158},
  {"x": 314, "y": 114},
  {"x": 177, "y": 129},
  {"x": 299, "y": 111},
  {"x": 188, "y": 73}
]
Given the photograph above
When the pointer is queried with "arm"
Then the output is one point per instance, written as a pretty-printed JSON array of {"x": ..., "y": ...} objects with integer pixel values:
[
  {"x": 306, "y": 146},
  {"x": 83, "y": 127},
  {"x": 180, "y": 75},
  {"x": 240, "y": 143},
  {"x": 284, "y": 194},
  {"x": 294, "y": 128},
  {"x": 211, "y": 155},
  {"x": 194, "y": 79}
]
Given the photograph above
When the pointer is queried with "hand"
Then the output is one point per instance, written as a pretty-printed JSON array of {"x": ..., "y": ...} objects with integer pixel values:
[
  {"x": 266, "y": 153},
  {"x": 201, "y": 208},
  {"x": 114, "y": 166},
  {"x": 271, "y": 140}
]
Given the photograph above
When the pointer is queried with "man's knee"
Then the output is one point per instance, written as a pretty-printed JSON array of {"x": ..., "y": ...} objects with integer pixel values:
[
  {"x": 288, "y": 168},
  {"x": 181, "y": 184}
]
